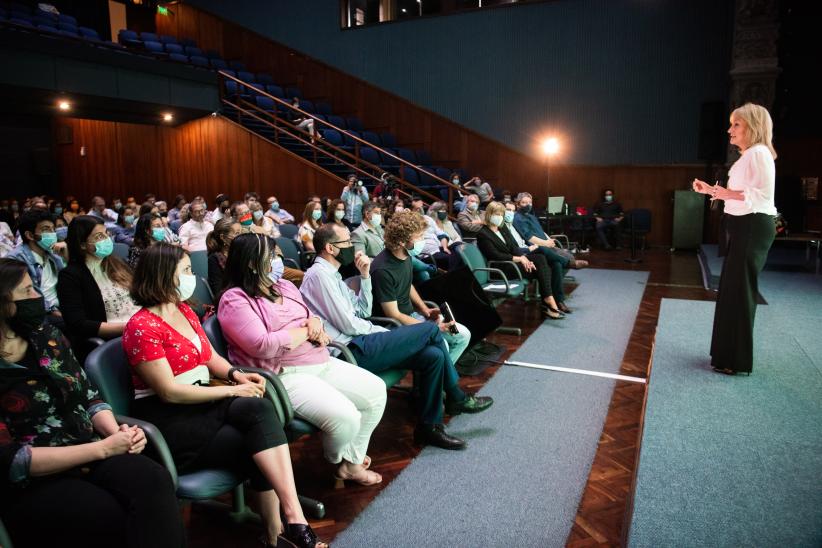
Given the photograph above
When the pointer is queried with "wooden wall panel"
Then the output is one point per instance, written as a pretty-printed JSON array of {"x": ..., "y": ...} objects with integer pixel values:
[{"x": 202, "y": 157}]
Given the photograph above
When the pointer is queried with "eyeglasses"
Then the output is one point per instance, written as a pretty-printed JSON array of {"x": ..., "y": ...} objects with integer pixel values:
[
  {"x": 99, "y": 237},
  {"x": 340, "y": 242}
]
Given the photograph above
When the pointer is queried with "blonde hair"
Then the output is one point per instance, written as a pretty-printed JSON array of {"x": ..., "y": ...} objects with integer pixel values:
[
  {"x": 760, "y": 125},
  {"x": 493, "y": 208}
]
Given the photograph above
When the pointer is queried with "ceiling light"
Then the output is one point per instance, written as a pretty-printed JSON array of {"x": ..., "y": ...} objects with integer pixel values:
[
  {"x": 64, "y": 105},
  {"x": 168, "y": 117}
]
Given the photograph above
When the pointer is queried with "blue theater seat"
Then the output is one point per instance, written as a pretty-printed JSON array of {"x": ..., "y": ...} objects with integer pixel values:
[
  {"x": 275, "y": 90},
  {"x": 218, "y": 64},
  {"x": 236, "y": 65},
  {"x": 245, "y": 76},
  {"x": 293, "y": 91},
  {"x": 388, "y": 140},
  {"x": 174, "y": 48},
  {"x": 88, "y": 33},
  {"x": 154, "y": 47},
  {"x": 178, "y": 57},
  {"x": 354, "y": 123},
  {"x": 407, "y": 154},
  {"x": 194, "y": 50},
  {"x": 338, "y": 121},
  {"x": 372, "y": 138},
  {"x": 198, "y": 61},
  {"x": 369, "y": 155},
  {"x": 129, "y": 38},
  {"x": 264, "y": 78},
  {"x": 168, "y": 39},
  {"x": 323, "y": 108},
  {"x": 266, "y": 103}
]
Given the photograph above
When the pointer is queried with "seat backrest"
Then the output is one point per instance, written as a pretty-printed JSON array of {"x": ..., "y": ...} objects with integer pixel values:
[
  {"x": 194, "y": 50},
  {"x": 473, "y": 259},
  {"x": 245, "y": 76},
  {"x": 354, "y": 123},
  {"x": 212, "y": 330},
  {"x": 201, "y": 300},
  {"x": 388, "y": 139},
  {"x": 369, "y": 155},
  {"x": 424, "y": 157},
  {"x": 150, "y": 36},
  {"x": 218, "y": 64},
  {"x": 293, "y": 91},
  {"x": 199, "y": 263},
  {"x": 174, "y": 48},
  {"x": 108, "y": 369},
  {"x": 154, "y": 47},
  {"x": 641, "y": 218},
  {"x": 407, "y": 154},
  {"x": 168, "y": 39},
  {"x": 264, "y": 102},
  {"x": 410, "y": 175},
  {"x": 179, "y": 57},
  {"x": 121, "y": 250},
  {"x": 372, "y": 138},
  {"x": 332, "y": 137},
  {"x": 289, "y": 249},
  {"x": 264, "y": 78},
  {"x": 289, "y": 231}
]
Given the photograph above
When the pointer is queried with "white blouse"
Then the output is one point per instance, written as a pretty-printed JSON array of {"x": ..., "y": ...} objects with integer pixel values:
[
  {"x": 116, "y": 298},
  {"x": 755, "y": 175}
]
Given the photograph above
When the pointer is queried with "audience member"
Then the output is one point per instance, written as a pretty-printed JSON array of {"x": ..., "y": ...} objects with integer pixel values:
[
  {"x": 336, "y": 213},
  {"x": 99, "y": 210},
  {"x": 391, "y": 273},
  {"x": 94, "y": 288},
  {"x": 174, "y": 212},
  {"x": 7, "y": 239},
  {"x": 367, "y": 238},
  {"x": 608, "y": 215},
  {"x": 419, "y": 347},
  {"x": 497, "y": 244},
  {"x": 353, "y": 196},
  {"x": 260, "y": 223},
  {"x": 510, "y": 214},
  {"x": 70, "y": 474},
  {"x": 123, "y": 231},
  {"x": 471, "y": 219},
  {"x": 276, "y": 213},
  {"x": 481, "y": 188},
  {"x": 229, "y": 426},
  {"x": 221, "y": 205},
  {"x": 162, "y": 209},
  {"x": 42, "y": 254},
  {"x": 311, "y": 221},
  {"x": 218, "y": 241},
  {"x": 267, "y": 324},
  {"x": 148, "y": 231},
  {"x": 448, "y": 235},
  {"x": 301, "y": 121},
  {"x": 193, "y": 233}
]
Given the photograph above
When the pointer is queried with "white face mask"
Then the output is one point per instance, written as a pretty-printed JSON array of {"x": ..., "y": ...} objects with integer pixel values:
[
  {"x": 495, "y": 220},
  {"x": 277, "y": 269},
  {"x": 186, "y": 287},
  {"x": 376, "y": 219}
]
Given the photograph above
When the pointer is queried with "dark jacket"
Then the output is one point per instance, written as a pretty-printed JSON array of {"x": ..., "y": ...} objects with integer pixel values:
[
  {"x": 493, "y": 249},
  {"x": 81, "y": 302},
  {"x": 607, "y": 210}
]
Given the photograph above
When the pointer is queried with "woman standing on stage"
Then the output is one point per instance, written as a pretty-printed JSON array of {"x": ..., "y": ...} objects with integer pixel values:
[{"x": 746, "y": 235}]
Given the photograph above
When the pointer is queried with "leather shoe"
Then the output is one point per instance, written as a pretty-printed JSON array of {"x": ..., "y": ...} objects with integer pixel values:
[
  {"x": 471, "y": 404},
  {"x": 435, "y": 434}
]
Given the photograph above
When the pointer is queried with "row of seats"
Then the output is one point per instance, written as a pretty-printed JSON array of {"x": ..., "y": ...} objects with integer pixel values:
[{"x": 62, "y": 25}]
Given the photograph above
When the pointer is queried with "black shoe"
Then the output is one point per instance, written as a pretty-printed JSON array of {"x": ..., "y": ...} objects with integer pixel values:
[
  {"x": 435, "y": 434},
  {"x": 300, "y": 535},
  {"x": 551, "y": 313},
  {"x": 564, "y": 309},
  {"x": 471, "y": 404}
]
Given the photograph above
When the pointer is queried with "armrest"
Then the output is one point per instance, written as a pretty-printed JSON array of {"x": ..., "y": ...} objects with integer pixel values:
[
  {"x": 515, "y": 265},
  {"x": 94, "y": 342},
  {"x": 497, "y": 271},
  {"x": 275, "y": 392},
  {"x": 291, "y": 262},
  {"x": 559, "y": 238},
  {"x": 385, "y": 321},
  {"x": 346, "y": 353},
  {"x": 431, "y": 304},
  {"x": 158, "y": 441}
]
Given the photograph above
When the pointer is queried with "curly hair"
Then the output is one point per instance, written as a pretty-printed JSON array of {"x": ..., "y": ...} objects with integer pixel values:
[{"x": 402, "y": 227}]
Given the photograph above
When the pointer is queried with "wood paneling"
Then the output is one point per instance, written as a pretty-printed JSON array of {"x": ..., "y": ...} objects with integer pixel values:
[
  {"x": 450, "y": 144},
  {"x": 205, "y": 157}
]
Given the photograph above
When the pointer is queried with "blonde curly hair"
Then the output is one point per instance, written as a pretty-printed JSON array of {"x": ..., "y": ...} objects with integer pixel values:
[{"x": 402, "y": 227}]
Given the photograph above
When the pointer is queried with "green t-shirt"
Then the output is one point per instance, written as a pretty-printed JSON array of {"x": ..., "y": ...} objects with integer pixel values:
[{"x": 391, "y": 281}]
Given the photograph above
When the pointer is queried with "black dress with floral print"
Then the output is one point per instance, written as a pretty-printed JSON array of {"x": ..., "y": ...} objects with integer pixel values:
[{"x": 45, "y": 400}]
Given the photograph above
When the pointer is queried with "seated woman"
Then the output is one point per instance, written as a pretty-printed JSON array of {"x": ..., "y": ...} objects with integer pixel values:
[
  {"x": 69, "y": 475},
  {"x": 442, "y": 238},
  {"x": 260, "y": 223},
  {"x": 123, "y": 231},
  {"x": 497, "y": 244},
  {"x": 228, "y": 426},
  {"x": 312, "y": 216},
  {"x": 336, "y": 213},
  {"x": 267, "y": 324},
  {"x": 217, "y": 242},
  {"x": 149, "y": 231},
  {"x": 93, "y": 290}
]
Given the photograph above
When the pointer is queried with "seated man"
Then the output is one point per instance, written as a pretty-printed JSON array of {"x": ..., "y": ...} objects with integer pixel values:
[
  {"x": 41, "y": 252},
  {"x": 419, "y": 346},
  {"x": 276, "y": 213},
  {"x": 367, "y": 238},
  {"x": 531, "y": 231},
  {"x": 608, "y": 215},
  {"x": 391, "y": 274},
  {"x": 471, "y": 220}
]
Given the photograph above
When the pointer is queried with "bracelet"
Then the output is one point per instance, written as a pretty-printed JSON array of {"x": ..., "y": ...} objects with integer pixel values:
[{"x": 232, "y": 371}]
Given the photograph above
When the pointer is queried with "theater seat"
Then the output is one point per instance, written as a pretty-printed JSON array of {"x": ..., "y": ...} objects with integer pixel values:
[{"x": 289, "y": 230}]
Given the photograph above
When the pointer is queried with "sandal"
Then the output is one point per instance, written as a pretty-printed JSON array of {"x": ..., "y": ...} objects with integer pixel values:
[
  {"x": 365, "y": 477},
  {"x": 564, "y": 309},
  {"x": 301, "y": 536},
  {"x": 724, "y": 371}
]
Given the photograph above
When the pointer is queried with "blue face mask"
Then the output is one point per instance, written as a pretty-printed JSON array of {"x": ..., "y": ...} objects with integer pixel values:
[
  {"x": 47, "y": 240},
  {"x": 103, "y": 248},
  {"x": 158, "y": 234},
  {"x": 316, "y": 214},
  {"x": 277, "y": 269},
  {"x": 509, "y": 217},
  {"x": 495, "y": 220},
  {"x": 129, "y": 219},
  {"x": 609, "y": 198},
  {"x": 62, "y": 232},
  {"x": 417, "y": 249},
  {"x": 58, "y": 210},
  {"x": 275, "y": 207}
]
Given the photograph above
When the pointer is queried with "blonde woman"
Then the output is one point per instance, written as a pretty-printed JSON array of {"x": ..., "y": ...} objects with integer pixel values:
[{"x": 747, "y": 232}]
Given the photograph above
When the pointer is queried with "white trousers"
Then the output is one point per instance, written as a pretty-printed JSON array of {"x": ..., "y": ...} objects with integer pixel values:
[
  {"x": 346, "y": 402},
  {"x": 307, "y": 123}
]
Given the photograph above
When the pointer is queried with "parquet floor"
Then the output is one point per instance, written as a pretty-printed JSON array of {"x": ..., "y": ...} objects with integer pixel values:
[{"x": 601, "y": 516}]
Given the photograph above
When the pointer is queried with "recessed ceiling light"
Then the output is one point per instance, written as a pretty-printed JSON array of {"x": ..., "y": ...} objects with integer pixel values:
[
  {"x": 64, "y": 105},
  {"x": 168, "y": 117}
]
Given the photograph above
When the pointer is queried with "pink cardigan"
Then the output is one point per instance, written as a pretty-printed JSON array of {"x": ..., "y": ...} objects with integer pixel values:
[{"x": 257, "y": 329}]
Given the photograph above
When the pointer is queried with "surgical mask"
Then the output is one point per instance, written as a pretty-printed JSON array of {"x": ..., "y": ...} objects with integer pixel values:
[
  {"x": 473, "y": 206},
  {"x": 526, "y": 209},
  {"x": 509, "y": 217},
  {"x": 118, "y": 205},
  {"x": 58, "y": 210},
  {"x": 47, "y": 240},
  {"x": 455, "y": 180},
  {"x": 129, "y": 219},
  {"x": 103, "y": 248},
  {"x": 62, "y": 232},
  {"x": 30, "y": 315},
  {"x": 609, "y": 198},
  {"x": 158, "y": 234},
  {"x": 339, "y": 214},
  {"x": 246, "y": 219},
  {"x": 346, "y": 255},
  {"x": 417, "y": 249},
  {"x": 442, "y": 215},
  {"x": 277, "y": 269},
  {"x": 275, "y": 206},
  {"x": 399, "y": 209},
  {"x": 257, "y": 215},
  {"x": 186, "y": 286},
  {"x": 495, "y": 220},
  {"x": 316, "y": 214},
  {"x": 376, "y": 219}
]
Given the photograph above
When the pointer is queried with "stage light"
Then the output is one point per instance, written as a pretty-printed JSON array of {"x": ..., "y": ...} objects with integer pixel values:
[
  {"x": 64, "y": 105},
  {"x": 550, "y": 146},
  {"x": 168, "y": 117}
]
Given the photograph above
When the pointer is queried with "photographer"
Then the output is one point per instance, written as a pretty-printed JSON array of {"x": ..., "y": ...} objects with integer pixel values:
[{"x": 354, "y": 195}]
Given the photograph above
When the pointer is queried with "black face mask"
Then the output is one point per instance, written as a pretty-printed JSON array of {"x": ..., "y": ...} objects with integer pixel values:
[
  {"x": 346, "y": 255},
  {"x": 30, "y": 315},
  {"x": 442, "y": 215},
  {"x": 526, "y": 209}
]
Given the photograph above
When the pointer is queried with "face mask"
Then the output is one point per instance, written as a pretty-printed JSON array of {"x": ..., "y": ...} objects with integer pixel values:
[
  {"x": 47, "y": 240},
  {"x": 62, "y": 232},
  {"x": 74, "y": 207},
  {"x": 473, "y": 206},
  {"x": 129, "y": 219},
  {"x": 15, "y": 207},
  {"x": 346, "y": 255},
  {"x": 399, "y": 210},
  {"x": 118, "y": 206},
  {"x": 58, "y": 210},
  {"x": 104, "y": 248},
  {"x": 609, "y": 198},
  {"x": 316, "y": 214},
  {"x": 275, "y": 207},
  {"x": 526, "y": 209},
  {"x": 442, "y": 215},
  {"x": 187, "y": 284},
  {"x": 506, "y": 198},
  {"x": 277, "y": 269},
  {"x": 509, "y": 217},
  {"x": 455, "y": 181},
  {"x": 258, "y": 215},
  {"x": 376, "y": 219},
  {"x": 245, "y": 220},
  {"x": 29, "y": 316},
  {"x": 417, "y": 249},
  {"x": 158, "y": 234},
  {"x": 495, "y": 220},
  {"x": 339, "y": 214}
]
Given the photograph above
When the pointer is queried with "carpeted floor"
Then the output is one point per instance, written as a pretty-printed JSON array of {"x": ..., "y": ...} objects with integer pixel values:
[
  {"x": 520, "y": 481},
  {"x": 735, "y": 461}
]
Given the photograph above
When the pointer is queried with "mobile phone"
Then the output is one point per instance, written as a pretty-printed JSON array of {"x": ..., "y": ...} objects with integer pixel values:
[{"x": 447, "y": 317}]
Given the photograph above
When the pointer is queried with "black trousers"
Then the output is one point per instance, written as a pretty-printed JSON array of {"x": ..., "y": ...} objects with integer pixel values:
[
  {"x": 544, "y": 274},
  {"x": 127, "y": 500},
  {"x": 745, "y": 241}
]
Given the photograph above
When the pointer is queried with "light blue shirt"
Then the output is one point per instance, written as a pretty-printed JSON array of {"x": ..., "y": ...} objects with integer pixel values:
[
  {"x": 342, "y": 311},
  {"x": 354, "y": 201}
]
